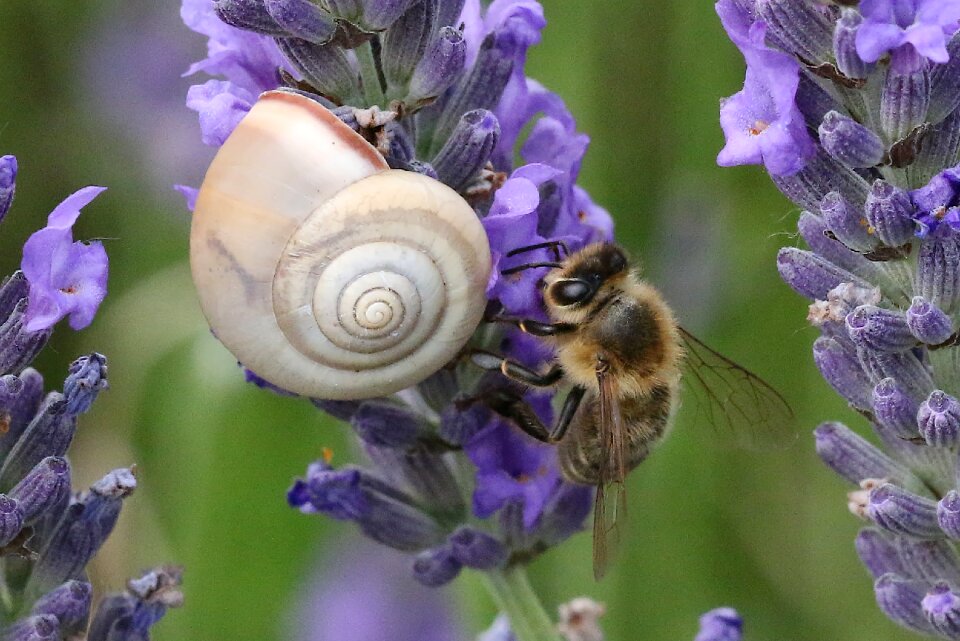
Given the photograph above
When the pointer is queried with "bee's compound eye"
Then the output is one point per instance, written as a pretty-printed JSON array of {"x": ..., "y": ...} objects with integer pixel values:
[{"x": 570, "y": 292}]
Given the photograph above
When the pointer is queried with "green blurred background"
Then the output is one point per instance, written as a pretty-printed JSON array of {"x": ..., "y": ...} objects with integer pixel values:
[{"x": 92, "y": 94}]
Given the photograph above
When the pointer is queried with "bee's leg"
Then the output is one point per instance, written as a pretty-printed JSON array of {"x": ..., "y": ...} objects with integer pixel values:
[
  {"x": 554, "y": 245},
  {"x": 534, "y": 327},
  {"x": 515, "y": 371},
  {"x": 514, "y": 408},
  {"x": 525, "y": 266},
  {"x": 570, "y": 406}
]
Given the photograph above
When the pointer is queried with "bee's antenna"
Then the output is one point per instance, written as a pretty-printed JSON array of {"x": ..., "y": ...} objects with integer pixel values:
[
  {"x": 520, "y": 268},
  {"x": 552, "y": 244}
]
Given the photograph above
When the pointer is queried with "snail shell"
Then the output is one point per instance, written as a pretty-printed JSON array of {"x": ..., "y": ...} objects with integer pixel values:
[{"x": 322, "y": 270}]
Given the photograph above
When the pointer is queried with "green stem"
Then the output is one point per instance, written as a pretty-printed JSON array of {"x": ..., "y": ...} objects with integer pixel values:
[
  {"x": 515, "y": 597},
  {"x": 372, "y": 90}
]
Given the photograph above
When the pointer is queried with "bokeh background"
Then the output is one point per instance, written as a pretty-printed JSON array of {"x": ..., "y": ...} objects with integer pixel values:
[{"x": 91, "y": 93}]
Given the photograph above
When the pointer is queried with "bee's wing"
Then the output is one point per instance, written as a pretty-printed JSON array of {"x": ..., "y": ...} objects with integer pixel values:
[
  {"x": 610, "y": 507},
  {"x": 737, "y": 404}
]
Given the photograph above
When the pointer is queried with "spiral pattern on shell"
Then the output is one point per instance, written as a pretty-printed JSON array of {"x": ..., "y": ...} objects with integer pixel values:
[{"x": 322, "y": 270}]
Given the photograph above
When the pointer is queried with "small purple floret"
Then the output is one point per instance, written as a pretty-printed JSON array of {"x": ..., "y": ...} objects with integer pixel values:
[
  {"x": 66, "y": 277},
  {"x": 761, "y": 123},
  {"x": 924, "y": 25}
]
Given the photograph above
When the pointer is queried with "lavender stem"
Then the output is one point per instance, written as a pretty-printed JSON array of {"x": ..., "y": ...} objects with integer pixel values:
[
  {"x": 370, "y": 77},
  {"x": 514, "y": 596}
]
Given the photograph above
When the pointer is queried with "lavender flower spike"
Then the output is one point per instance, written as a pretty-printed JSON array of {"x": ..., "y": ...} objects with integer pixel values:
[{"x": 883, "y": 176}]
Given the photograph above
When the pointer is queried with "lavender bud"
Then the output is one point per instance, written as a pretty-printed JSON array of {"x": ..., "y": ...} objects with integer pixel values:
[
  {"x": 930, "y": 559},
  {"x": 323, "y": 66},
  {"x": 948, "y": 514},
  {"x": 384, "y": 513},
  {"x": 81, "y": 531},
  {"x": 894, "y": 409},
  {"x": 248, "y": 14},
  {"x": 114, "y": 614},
  {"x": 939, "y": 419},
  {"x": 940, "y": 147},
  {"x": 810, "y": 275},
  {"x": 878, "y": 553},
  {"x": 482, "y": 87},
  {"x": 890, "y": 213},
  {"x": 904, "y": 101},
  {"x": 70, "y": 603},
  {"x": 468, "y": 148},
  {"x": 380, "y": 14},
  {"x": 938, "y": 271},
  {"x": 302, "y": 19},
  {"x": 14, "y": 289},
  {"x": 945, "y": 84},
  {"x": 476, "y": 549},
  {"x": 900, "y": 600},
  {"x": 879, "y": 329},
  {"x": 942, "y": 608},
  {"x": 8, "y": 178},
  {"x": 901, "y": 512},
  {"x": 928, "y": 323},
  {"x": 440, "y": 67},
  {"x": 44, "y": 487},
  {"x": 845, "y": 46},
  {"x": 850, "y": 142},
  {"x": 813, "y": 102},
  {"x": 436, "y": 567},
  {"x": 841, "y": 369},
  {"x": 11, "y": 519},
  {"x": 720, "y": 624},
  {"x": 853, "y": 458},
  {"x": 406, "y": 41},
  {"x": 387, "y": 424},
  {"x": 18, "y": 347},
  {"x": 88, "y": 375},
  {"x": 814, "y": 231},
  {"x": 20, "y": 398},
  {"x": 48, "y": 434},
  {"x": 905, "y": 367},
  {"x": 449, "y": 12},
  {"x": 799, "y": 27},
  {"x": 426, "y": 474},
  {"x": 43, "y": 627},
  {"x": 821, "y": 175}
]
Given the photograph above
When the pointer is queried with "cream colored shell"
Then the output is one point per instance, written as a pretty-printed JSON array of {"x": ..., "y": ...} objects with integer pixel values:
[{"x": 322, "y": 270}]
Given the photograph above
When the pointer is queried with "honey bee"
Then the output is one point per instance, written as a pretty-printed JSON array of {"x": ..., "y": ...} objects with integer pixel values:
[{"x": 621, "y": 349}]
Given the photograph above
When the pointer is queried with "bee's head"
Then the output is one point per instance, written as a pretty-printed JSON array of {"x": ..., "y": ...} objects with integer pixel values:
[{"x": 583, "y": 275}]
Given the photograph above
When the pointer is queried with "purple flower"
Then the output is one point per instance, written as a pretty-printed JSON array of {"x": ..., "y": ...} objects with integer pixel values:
[
  {"x": 250, "y": 62},
  {"x": 762, "y": 123},
  {"x": 923, "y": 25},
  {"x": 66, "y": 277},
  {"x": 938, "y": 203},
  {"x": 512, "y": 466}
]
